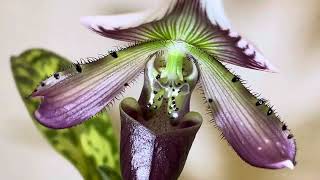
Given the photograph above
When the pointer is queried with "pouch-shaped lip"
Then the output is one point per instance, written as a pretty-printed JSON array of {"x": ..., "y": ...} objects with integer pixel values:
[
  {"x": 190, "y": 122},
  {"x": 146, "y": 154}
]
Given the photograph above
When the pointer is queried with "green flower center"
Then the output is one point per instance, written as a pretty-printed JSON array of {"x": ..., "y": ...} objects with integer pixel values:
[
  {"x": 174, "y": 62},
  {"x": 170, "y": 77}
]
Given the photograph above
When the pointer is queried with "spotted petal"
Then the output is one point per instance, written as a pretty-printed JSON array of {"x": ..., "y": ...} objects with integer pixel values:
[
  {"x": 250, "y": 127},
  {"x": 72, "y": 96},
  {"x": 201, "y": 23}
]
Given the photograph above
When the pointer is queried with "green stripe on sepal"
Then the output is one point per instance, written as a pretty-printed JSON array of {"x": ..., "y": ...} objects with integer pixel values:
[
  {"x": 90, "y": 146},
  {"x": 190, "y": 21}
]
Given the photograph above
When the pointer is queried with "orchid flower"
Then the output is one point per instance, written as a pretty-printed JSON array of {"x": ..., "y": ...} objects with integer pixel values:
[{"x": 184, "y": 44}]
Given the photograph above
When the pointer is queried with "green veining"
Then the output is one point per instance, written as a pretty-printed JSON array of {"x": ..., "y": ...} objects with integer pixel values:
[{"x": 175, "y": 58}]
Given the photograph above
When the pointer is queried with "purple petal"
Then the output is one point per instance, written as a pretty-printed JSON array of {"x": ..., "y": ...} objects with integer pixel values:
[
  {"x": 72, "y": 96},
  {"x": 201, "y": 23},
  {"x": 251, "y": 127},
  {"x": 146, "y": 152}
]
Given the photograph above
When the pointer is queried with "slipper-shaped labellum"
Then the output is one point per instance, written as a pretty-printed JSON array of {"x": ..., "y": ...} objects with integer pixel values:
[
  {"x": 151, "y": 152},
  {"x": 183, "y": 44}
]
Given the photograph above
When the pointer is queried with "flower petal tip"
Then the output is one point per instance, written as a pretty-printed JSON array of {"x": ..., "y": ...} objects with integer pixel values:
[
  {"x": 271, "y": 68},
  {"x": 288, "y": 164},
  {"x": 85, "y": 21},
  {"x": 284, "y": 164},
  {"x": 44, "y": 122},
  {"x": 49, "y": 122},
  {"x": 265, "y": 64},
  {"x": 115, "y": 22}
]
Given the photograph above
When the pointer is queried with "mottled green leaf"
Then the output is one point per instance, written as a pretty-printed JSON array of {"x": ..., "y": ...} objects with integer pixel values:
[{"x": 91, "y": 147}]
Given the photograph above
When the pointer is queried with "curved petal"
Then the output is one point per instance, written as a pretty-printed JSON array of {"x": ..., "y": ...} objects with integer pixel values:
[
  {"x": 250, "y": 126},
  {"x": 201, "y": 23},
  {"x": 72, "y": 96}
]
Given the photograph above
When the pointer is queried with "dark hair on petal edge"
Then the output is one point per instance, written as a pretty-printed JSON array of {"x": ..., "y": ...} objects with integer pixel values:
[
  {"x": 245, "y": 85},
  {"x": 119, "y": 96}
]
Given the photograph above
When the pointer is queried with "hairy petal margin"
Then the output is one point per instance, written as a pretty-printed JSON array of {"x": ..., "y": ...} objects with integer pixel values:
[
  {"x": 201, "y": 23},
  {"x": 72, "y": 96},
  {"x": 249, "y": 126}
]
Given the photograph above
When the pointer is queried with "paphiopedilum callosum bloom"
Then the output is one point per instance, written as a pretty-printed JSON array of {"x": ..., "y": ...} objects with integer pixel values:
[{"x": 179, "y": 46}]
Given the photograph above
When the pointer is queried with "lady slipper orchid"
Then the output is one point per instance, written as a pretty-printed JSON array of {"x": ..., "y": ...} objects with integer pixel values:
[{"x": 178, "y": 47}]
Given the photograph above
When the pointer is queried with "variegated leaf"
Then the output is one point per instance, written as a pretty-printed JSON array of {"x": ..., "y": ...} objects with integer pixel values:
[{"x": 91, "y": 147}]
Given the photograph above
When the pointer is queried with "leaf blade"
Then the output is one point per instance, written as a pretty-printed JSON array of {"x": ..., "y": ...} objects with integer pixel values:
[{"x": 31, "y": 67}]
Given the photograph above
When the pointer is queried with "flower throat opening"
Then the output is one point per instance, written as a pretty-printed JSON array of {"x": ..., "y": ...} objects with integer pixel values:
[{"x": 169, "y": 79}]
